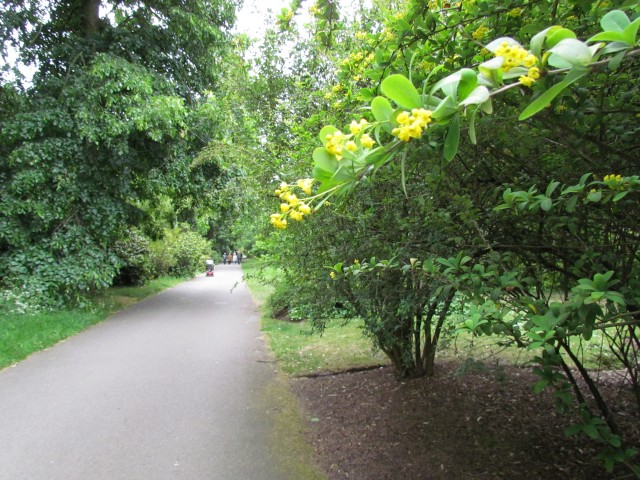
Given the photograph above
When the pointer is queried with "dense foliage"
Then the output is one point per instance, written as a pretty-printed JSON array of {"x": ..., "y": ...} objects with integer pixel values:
[
  {"x": 106, "y": 130},
  {"x": 480, "y": 156}
]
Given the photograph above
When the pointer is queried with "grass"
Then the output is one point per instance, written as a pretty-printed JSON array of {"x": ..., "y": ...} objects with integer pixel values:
[
  {"x": 299, "y": 349},
  {"x": 23, "y": 334}
]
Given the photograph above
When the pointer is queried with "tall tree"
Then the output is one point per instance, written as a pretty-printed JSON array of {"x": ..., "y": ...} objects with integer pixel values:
[{"x": 110, "y": 119}]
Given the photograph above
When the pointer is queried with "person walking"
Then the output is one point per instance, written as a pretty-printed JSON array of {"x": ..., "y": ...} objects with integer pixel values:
[
  {"x": 224, "y": 258},
  {"x": 235, "y": 257}
]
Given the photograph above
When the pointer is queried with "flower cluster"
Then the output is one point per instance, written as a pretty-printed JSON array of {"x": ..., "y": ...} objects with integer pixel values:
[
  {"x": 337, "y": 142},
  {"x": 532, "y": 75},
  {"x": 615, "y": 182},
  {"x": 480, "y": 33},
  {"x": 514, "y": 56},
  {"x": 411, "y": 125},
  {"x": 291, "y": 206}
]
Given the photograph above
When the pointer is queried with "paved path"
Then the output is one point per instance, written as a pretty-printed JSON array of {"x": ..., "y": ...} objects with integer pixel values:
[{"x": 168, "y": 389}]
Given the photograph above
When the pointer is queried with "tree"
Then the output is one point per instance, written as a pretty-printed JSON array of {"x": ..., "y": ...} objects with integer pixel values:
[{"x": 109, "y": 121}]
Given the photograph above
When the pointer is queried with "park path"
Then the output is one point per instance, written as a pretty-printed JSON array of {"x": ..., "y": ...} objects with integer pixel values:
[{"x": 170, "y": 388}]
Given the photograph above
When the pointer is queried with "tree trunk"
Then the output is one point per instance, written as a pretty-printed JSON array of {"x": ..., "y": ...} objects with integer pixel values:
[{"x": 91, "y": 13}]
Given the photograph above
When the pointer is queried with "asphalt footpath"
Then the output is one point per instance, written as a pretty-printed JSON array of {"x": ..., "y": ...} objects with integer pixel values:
[{"x": 168, "y": 389}]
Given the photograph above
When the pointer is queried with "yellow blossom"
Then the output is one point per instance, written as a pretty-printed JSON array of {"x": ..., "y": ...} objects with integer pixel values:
[
  {"x": 351, "y": 146},
  {"x": 480, "y": 33},
  {"x": 292, "y": 199},
  {"x": 526, "y": 81},
  {"x": 534, "y": 72},
  {"x": 297, "y": 216},
  {"x": 284, "y": 207},
  {"x": 411, "y": 125},
  {"x": 332, "y": 275},
  {"x": 515, "y": 12},
  {"x": 305, "y": 185},
  {"x": 356, "y": 127},
  {"x": 335, "y": 144},
  {"x": 304, "y": 209},
  {"x": 366, "y": 141}
]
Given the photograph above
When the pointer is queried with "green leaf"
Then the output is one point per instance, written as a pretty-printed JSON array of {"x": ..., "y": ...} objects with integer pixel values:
[
  {"x": 537, "y": 42},
  {"x": 453, "y": 139},
  {"x": 324, "y": 160},
  {"x": 328, "y": 130},
  {"x": 545, "y": 99},
  {"x": 614, "y": 21},
  {"x": 468, "y": 83},
  {"x": 609, "y": 37},
  {"x": 445, "y": 110},
  {"x": 399, "y": 89},
  {"x": 551, "y": 188},
  {"x": 572, "y": 51},
  {"x": 366, "y": 94},
  {"x": 478, "y": 96},
  {"x": 620, "y": 196},
  {"x": 557, "y": 35},
  {"x": 381, "y": 109},
  {"x": 631, "y": 31},
  {"x": 546, "y": 204}
]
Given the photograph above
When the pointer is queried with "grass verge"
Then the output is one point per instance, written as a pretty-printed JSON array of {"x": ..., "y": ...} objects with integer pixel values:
[
  {"x": 299, "y": 349},
  {"x": 23, "y": 334}
]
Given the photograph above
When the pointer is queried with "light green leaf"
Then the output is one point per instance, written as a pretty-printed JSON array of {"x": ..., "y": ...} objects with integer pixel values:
[
  {"x": 546, "y": 204},
  {"x": 468, "y": 82},
  {"x": 324, "y": 160},
  {"x": 557, "y": 35},
  {"x": 399, "y": 89},
  {"x": 381, "y": 109},
  {"x": 545, "y": 99},
  {"x": 538, "y": 41},
  {"x": 573, "y": 51},
  {"x": 614, "y": 21},
  {"x": 494, "y": 45},
  {"x": 453, "y": 139},
  {"x": 609, "y": 37},
  {"x": 445, "y": 110},
  {"x": 478, "y": 96},
  {"x": 328, "y": 130}
]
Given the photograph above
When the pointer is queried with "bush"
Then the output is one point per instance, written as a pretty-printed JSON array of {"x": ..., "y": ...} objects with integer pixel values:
[
  {"x": 134, "y": 252},
  {"x": 181, "y": 253}
]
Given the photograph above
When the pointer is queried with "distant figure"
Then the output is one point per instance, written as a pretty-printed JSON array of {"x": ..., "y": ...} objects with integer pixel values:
[
  {"x": 235, "y": 257},
  {"x": 224, "y": 258},
  {"x": 229, "y": 258},
  {"x": 239, "y": 257},
  {"x": 209, "y": 263}
]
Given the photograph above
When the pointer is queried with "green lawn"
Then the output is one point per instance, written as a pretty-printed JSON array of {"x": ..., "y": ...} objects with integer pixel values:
[{"x": 23, "y": 334}]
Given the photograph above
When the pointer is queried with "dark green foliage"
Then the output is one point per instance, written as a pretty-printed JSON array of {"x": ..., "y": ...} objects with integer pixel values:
[
  {"x": 104, "y": 127},
  {"x": 133, "y": 251}
]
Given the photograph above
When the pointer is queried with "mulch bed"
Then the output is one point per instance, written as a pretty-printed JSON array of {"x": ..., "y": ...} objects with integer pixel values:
[{"x": 481, "y": 424}]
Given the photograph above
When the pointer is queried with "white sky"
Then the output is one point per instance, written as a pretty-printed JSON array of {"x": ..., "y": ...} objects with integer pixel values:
[{"x": 253, "y": 15}]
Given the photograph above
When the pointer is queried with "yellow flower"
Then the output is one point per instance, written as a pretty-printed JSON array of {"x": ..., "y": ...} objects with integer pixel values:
[
  {"x": 366, "y": 141},
  {"x": 278, "y": 222},
  {"x": 332, "y": 275},
  {"x": 305, "y": 185},
  {"x": 277, "y": 192},
  {"x": 297, "y": 216},
  {"x": 357, "y": 127},
  {"x": 411, "y": 125},
  {"x": 335, "y": 144},
  {"x": 480, "y": 33},
  {"x": 304, "y": 209},
  {"x": 284, "y": 207},
  {"x": 515, "y": 12},
  {"x": 534, "y": 72},
  {"x": 351, "y": 146},
  {"x": 526, "y": 81},
  {"x": 292, "y": 199}
]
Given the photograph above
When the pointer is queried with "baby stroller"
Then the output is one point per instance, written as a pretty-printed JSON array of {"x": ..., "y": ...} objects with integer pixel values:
[{"x": 209, "y": 264}]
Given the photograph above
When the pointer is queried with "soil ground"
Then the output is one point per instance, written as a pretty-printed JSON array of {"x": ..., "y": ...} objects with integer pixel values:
[{"x": 464, "y": 423}]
